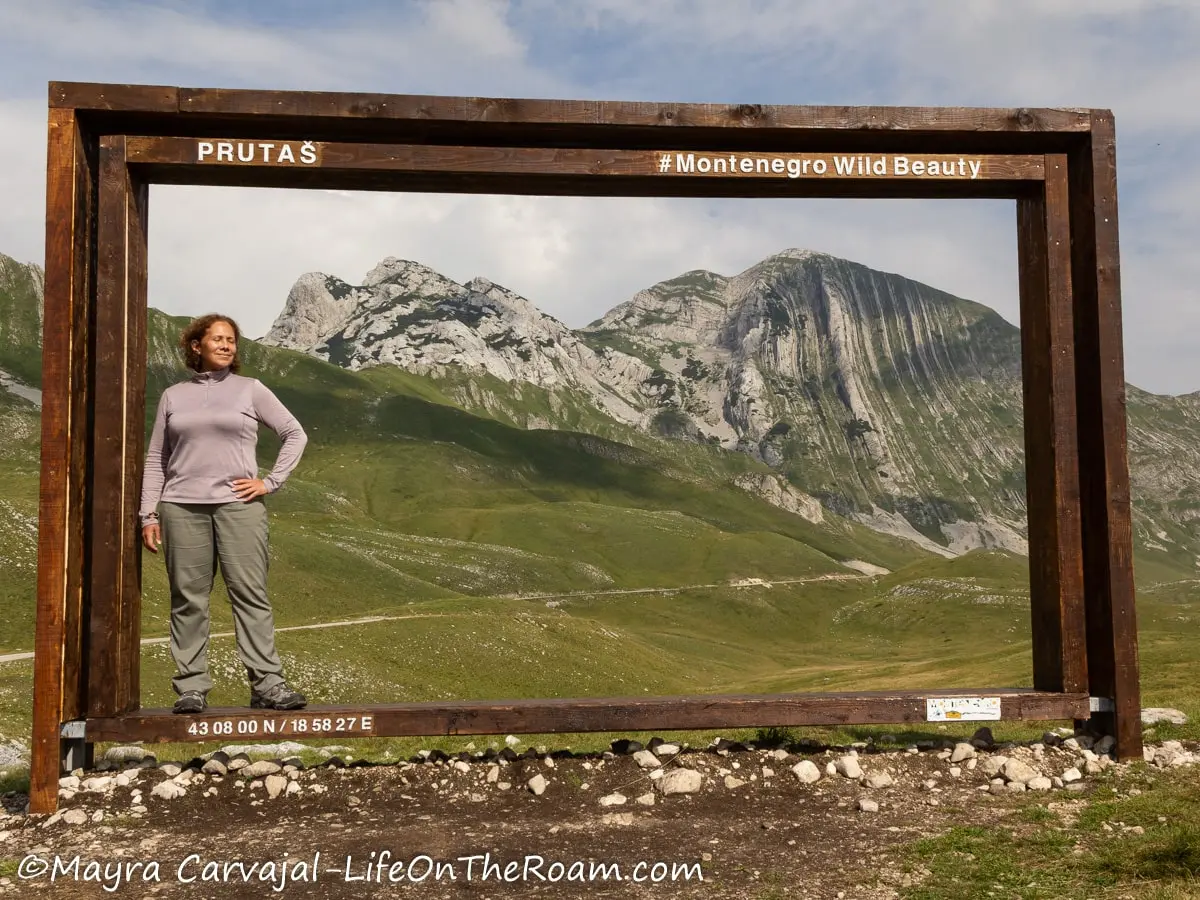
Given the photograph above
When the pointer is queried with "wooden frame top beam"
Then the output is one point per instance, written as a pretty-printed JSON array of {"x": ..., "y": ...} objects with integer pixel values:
[{"x": 307, "y": 115}]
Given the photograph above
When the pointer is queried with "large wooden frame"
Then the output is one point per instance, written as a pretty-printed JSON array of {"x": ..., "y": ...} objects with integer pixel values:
[{"x": 107, "y": 143}]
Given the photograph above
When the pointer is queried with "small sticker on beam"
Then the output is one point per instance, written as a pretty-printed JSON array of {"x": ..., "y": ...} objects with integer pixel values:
[{"x": 962, "y": 709}]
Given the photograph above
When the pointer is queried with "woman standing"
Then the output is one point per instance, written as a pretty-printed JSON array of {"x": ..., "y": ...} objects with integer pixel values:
[{"x": 200, "y": 477}]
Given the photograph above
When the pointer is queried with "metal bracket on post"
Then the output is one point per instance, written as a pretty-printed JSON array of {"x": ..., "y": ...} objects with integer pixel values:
[
  {"x": 1101, "y": 704},
  {"x": 74, "y": 750}
]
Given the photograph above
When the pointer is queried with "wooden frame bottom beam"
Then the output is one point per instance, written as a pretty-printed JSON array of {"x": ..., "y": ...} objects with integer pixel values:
[{"x": 570, "y": 716}]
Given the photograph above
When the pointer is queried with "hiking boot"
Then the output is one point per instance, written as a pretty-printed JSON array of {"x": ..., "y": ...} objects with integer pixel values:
[
  {"x": 190, "y": 702},
  {"x": 278, "y": 697}
]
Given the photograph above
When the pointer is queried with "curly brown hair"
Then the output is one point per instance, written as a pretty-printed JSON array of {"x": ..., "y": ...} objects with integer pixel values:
[{"x": 196, "y": 331}]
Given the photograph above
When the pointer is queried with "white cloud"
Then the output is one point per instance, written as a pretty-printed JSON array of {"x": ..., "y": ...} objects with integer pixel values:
[{"x": 577, "y": 256}]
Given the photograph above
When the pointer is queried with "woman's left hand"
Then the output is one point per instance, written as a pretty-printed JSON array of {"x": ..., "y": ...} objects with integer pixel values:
[{"x": 247, "y": 489}]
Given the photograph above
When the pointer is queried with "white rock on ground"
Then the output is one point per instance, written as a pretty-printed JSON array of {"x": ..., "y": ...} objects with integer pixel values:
[
  {"x": 168, "y": 790},
  {"x": 646, "y": 799},
  {"x": 1155, "y": 714},
  {"x": 667, "y": 749},
  {"x": 865, "y": 805},
  {"x": 75, "y": 817},
  {"x": 1041, "y": 783},
  {"x": 731, "y": 782},
  {"x": 1019, "y": 772},
  {"x": 537, "y": 784},
  {"x": 992, "y": 765},
  {"x": 260, "y": 769},
  {"x": 614, "y": 799},
  {"x": 878, "y": 780},
  {"x": 962, "y": 751},
  {"x": 646, "y": 759},
  {"x": 807, "y": 771},
  {"x": 680, "y": 781},
  {"x": 848, "y": 766},
  {"x": 275, "y": 785}
]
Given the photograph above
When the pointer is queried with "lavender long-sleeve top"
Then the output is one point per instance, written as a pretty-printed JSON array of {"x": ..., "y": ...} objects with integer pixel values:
[{"x": 204, "y": 437}]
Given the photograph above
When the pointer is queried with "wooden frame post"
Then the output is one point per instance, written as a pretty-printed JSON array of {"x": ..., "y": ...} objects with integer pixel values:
[
  {"x": 107, "y": 143},
  {"x": 59, "y": 677}
]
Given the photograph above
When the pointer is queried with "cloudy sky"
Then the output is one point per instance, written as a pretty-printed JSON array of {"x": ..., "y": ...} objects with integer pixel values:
[{"x": 239, "y": 250}]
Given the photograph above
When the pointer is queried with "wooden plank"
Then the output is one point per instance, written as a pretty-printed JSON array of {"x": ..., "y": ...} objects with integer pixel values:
[
  {"x": 572, "y": 716},
  {"x": 533, "y": 170},
  {"x": 1051, "y": 457},
  {"x": 57, "y": 641},
  {"x": 111, "y": 509},
  {"x": 579, "y": 186},
  {"x": 129, "y": 640},
  {"x": 600, "y": 112},
  {"x": 111, "y": 97},
  {"x": 1103, "y": 451},
  {"x": 658, "y": 164}
]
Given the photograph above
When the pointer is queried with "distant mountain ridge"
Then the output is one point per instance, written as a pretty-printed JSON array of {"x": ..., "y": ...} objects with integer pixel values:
[
  {"x": 891, "y": 402},
  {"x": 868, "y": 395}
]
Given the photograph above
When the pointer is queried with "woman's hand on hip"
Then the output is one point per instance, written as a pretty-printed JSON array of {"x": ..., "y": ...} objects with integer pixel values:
[
  {"x": 246, "y": 489},
  {"x": 152, "y": 536}
]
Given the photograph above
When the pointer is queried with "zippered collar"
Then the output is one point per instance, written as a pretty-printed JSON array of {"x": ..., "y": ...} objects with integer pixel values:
[{"x": 216, "y": 375}]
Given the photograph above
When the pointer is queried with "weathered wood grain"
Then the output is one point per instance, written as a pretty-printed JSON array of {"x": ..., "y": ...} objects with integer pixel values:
[
  {"x": 58, "y": 688},
  {"x": 112, "y": 508},
  {"x": 621, "y": 714},
  {"x": 1103, "y": 448},
  {"x": 1051, "y": 451}
]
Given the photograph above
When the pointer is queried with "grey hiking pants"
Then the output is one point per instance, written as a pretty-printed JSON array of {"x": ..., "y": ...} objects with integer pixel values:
[{"x": 195, "y": 537}]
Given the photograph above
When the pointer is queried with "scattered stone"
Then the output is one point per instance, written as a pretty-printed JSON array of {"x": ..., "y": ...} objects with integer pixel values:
[
  {"x": 168, "y": 790},
  {"x": 493, "y": 774},
  {"x": 99, "y": 784},
  {"x": 768, "y": 772},
  {"x": 646, "y": 799},
  {"x": 170, "y": 769},
  {"x": 869, "y": 806},
  {"x": 731, "y": 782},
  {"x": 1017, "y": 772},
  {"x": 1041, "y": 783},
  {"x": 667, "y": 750},
  {"x": 807, "y": 772},
  {"x": 512, "y": 741},
  {"x": 125, "y": 754},
  {"x": 98, "y": 816},
  {"x": 992, "y": 765},
  {"x": 70, "y": 782},
  {"x": 1105, "y": 744},
  {"x": 780, "y": 754},
  {"x": 460, "y": 766},
  {"x": 878, "y": 780},
  {"x": 75, "y": 817},
  {"x": 238, "y": 762},
  {"x": 1091, "y": 767},
  {"x": 830, "y": 769},
  {"x": 276, "y": 785},
  {"x": 260, "y": 769},
  {"x": 962, "y": 751},
  {"x": 848, "y": 766},
  {"x": 955, "y": 772},
  {"x": 537, "y": 784},
  {"x": 614, "y": 799},
  {"x": 292, "y": 788},
  {"x": 504, "y": 785},
  {"x": 680, "y": 781},
  {"x": 1072, "y": 774},
  {"x": 1155, "y": 714},
  {"x": 646, "y": 759}
]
